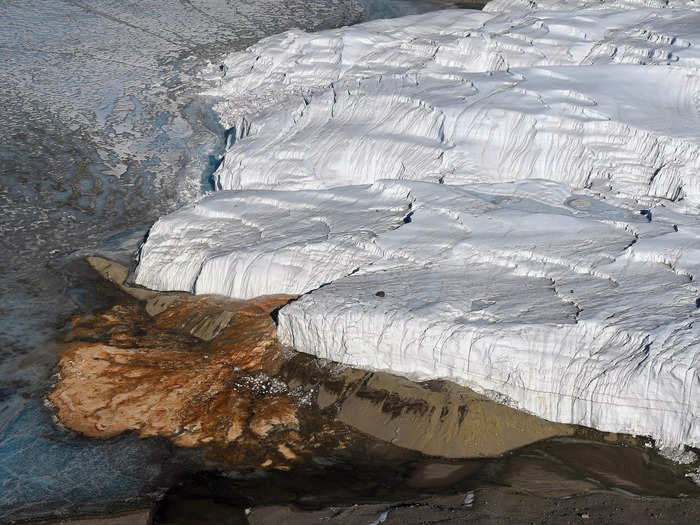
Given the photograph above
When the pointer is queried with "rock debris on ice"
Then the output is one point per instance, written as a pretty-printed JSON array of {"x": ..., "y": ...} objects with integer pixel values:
[{"x": 520, "y": 184}]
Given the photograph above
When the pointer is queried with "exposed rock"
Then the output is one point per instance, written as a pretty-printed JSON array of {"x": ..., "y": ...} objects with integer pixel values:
[
  {"x": 117, "y": 274},
  {"x": 490, "y": 505}
]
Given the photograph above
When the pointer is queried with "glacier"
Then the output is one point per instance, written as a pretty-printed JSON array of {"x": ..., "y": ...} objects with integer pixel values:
[{"x": 504, "y": 198}]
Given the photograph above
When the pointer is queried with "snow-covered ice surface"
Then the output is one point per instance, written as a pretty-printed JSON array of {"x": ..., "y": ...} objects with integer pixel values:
[
  {"x": 470, "y": 97},
  {"x": 508, "y": 199},
  {"x": 258, "y": 243},
  {"x": 102, "y": 130}
]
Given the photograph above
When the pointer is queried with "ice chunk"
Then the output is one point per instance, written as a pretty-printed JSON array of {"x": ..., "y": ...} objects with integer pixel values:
[{"x": 532, "y": 296}]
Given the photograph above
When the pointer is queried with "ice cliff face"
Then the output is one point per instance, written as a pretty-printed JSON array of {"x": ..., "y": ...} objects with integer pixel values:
[
  {"x": 526, "y": 291},
  {"x": 505, "y": 199}
]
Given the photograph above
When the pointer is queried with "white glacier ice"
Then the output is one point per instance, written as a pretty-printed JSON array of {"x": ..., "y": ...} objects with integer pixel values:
[
  {"x": 266, "y": 242},
  {"x": 506, "y": 198},
  {"x": 470, "y": 97}
]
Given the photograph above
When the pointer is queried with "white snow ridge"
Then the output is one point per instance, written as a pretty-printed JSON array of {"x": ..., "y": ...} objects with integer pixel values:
[{"x": 508, "y": 199}]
